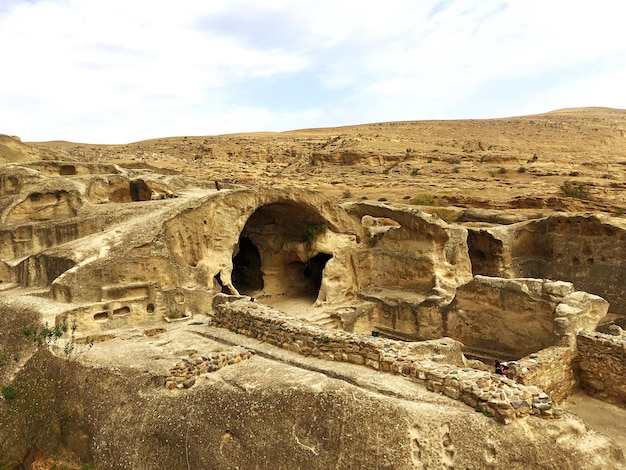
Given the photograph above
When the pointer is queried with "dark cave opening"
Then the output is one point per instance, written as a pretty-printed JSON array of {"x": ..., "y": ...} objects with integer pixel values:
[
  {"x": 486, "y": 253},
  {"x": 313, "y": 271},
  {"x": 247, "y": 276},
  {"x": 140, "y": 191}
]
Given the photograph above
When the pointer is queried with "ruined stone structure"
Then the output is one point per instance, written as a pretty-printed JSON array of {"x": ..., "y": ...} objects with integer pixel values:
[
  {"x": 586, "y": 250},
  {"x": 108, "y": 248},
  {"x": 601, "y": 363}
]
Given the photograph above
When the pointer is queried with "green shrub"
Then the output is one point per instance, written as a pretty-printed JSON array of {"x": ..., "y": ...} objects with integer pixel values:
[
  {"x": 43, "y": 334},
  {"x": 575, "y": 190},
  {"x": 521, "y": 169},
  {"x": 424, "y": 200},
  {"x": 446, "y": 215},
  {"x": 174, "y": 313},
  {"x": 9, "y": 393}
]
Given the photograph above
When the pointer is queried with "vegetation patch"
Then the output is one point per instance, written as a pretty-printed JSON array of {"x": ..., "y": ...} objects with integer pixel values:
[
  {"x": 424, "y": 200},
  {"x": 576, "y": 190}
]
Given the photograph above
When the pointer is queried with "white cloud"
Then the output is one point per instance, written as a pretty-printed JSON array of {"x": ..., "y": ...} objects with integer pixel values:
[{"x": 119, "y": 71}]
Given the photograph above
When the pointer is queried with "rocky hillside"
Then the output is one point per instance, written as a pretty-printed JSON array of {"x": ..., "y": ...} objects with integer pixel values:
[{"x": 511, "y": 163}]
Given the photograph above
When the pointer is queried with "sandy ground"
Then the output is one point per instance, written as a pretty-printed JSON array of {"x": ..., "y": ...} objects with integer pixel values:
[{"x": 605, "y": 418}]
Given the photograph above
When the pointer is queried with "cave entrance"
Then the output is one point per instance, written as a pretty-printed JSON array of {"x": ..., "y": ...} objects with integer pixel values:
[
  {"x": 247, "y": 276},
  {"x": 486, "y": 253},
  {"x": 280, "y": 258},
  {"x": 305, "y": 279},
  {"x": 140, "y": 191}
]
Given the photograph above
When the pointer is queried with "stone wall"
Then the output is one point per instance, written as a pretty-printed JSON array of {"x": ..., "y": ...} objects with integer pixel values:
[
  {"x": 550, "y": 369},
  {"x": 185, "y": 372},
  {"x": 601, "y": 364},
  {"x": 436, "y": 364}
]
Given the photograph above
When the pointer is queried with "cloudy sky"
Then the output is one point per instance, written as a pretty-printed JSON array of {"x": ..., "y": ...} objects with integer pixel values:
[{"x": 119, "y": 71}]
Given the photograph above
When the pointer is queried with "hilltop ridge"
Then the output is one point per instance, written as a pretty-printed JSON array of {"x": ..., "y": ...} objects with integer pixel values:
[{"x": 504, "y": 163}]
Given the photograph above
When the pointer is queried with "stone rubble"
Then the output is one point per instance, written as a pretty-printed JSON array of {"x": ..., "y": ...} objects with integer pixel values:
[{"x": 185, "y": 373}]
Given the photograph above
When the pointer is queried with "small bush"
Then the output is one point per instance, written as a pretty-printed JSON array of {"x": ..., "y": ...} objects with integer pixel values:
[
  {"x": 502, "y": 170},
  {"x": 406, "y": 197},
  {"x": 347, "y": 193},
  {"x": 382, "y": 199},
  {"x": 521, "y": 169},
  {"x": 9, "y": 393},
  {"x": 446, "y": 215},
  {"x": 575, "y": 190},
  {"x": 312, "y": 231},
  {"x": 174, "y": 313},
  {"x": 574, "y": 173},
  {"x": 424, "y": 200},
  {"x": 43, "y": 334},
  {"x": 415, "y": 172}
]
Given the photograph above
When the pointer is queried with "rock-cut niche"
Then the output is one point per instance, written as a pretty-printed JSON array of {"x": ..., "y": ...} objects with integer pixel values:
[{"x": 276, "y": 256}]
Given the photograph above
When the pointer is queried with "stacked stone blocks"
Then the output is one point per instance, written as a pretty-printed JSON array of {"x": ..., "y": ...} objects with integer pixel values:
[
  {"x": 601, "y": 365},
  {"x": 550, "y": 369},
  {"x": 492, "y": 394},
  {"x": 185, "y": 372}
]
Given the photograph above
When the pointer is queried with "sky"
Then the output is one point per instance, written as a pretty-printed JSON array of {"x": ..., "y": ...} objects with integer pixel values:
[{"x": 121, "y": 71}]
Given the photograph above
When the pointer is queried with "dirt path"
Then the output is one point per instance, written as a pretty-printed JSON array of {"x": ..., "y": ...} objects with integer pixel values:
[{"x": 608, "y": 419}]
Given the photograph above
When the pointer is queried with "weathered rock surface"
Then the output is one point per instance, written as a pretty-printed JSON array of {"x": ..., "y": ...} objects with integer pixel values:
[
  {"x": 586, "y": 250},
  {"x": 273, "y": 410},
  {"x": 96, "y": 241}
]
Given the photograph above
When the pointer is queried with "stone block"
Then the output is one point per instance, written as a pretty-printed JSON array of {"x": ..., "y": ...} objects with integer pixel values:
[{"x": 356, "y": 359}]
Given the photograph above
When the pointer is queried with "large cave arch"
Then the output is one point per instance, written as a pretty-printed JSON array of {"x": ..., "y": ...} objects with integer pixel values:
[{"x": 277, "y": 256}]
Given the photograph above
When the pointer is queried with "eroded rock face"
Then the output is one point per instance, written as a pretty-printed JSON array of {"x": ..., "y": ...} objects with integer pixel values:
[
  {"x": 515, "y": 317},
  {"x": 586, "y": 250},
  {"x": 12, "y": 149},
  {"x": 269, "y": 414}
]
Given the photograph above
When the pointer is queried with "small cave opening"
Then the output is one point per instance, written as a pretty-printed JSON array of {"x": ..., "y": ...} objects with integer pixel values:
[
  {"x": 140, "y": 191},
  {"x": 485, "y": 252},
  {"x": 313, "y": 273},
  {"x": 304, "y": 280},
  {"x": 220, "y": 285},
  {"x": 247, "y": 275},
  {"x": 67, "y": 170}
]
